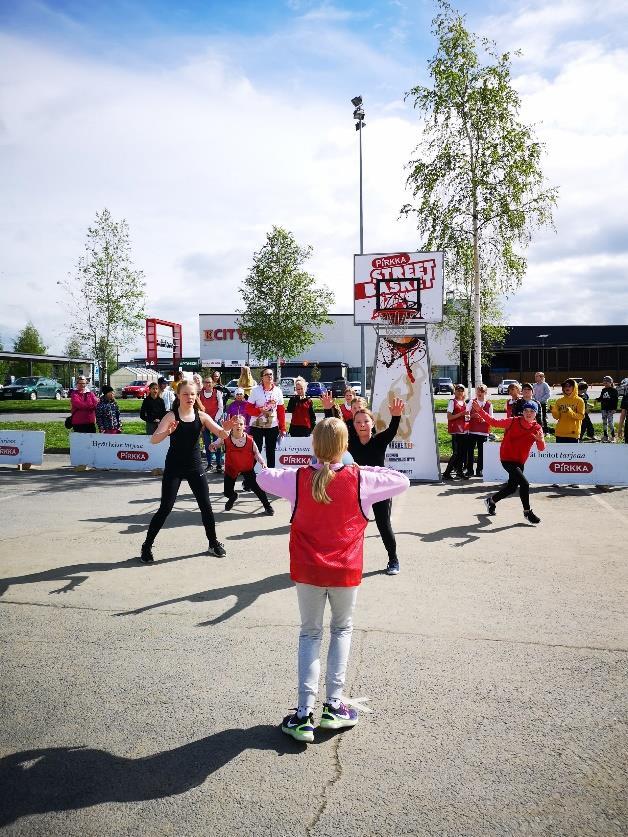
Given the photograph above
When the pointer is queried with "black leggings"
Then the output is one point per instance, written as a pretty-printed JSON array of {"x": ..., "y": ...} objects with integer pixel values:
[
  {"x": 459, "y": 454},
  {"x": 268, "y": 435},
  {"x": 474, "y": 439},
  {"x": 248, "y": 477},
  {"x": 170, "y": 484},
  {"x": 381, "y": 512},
  {"x": 515, "y": 479}
]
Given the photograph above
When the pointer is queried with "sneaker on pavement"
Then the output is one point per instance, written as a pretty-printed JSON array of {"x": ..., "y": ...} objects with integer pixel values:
[
  {"x": 301, "y": 729},
  {"x": 217, "y": 549},
  {"x": 478, "y": 473},
  {"x": 531, "y": 517},
  {"x": 231, "y": 501},
  {"x": 392, "y": 568},
  {"x": 219, "y": 469},
  {"x": 146, "y": 555},
  {"x": 269, "y": 510},
  {"x": 343, "y": 716},
  {"x": 490, "y": 505},
  {"x": 210, "y": 468}
]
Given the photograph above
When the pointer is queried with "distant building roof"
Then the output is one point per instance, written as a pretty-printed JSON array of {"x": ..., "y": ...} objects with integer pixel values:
[{"x": 570, "y": 335}]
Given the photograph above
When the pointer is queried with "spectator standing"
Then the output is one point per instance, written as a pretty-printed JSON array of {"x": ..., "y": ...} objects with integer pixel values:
[
  {"x": 265, "y": 404},
  {"x": 608, "y": 399},
  {"x": 108, "y": 412},
  {"x": 568, "y": 412},
  {"x": 542, "y": 393},
  {"x": 165, "y": 393},
  {"x": 211, "y": 400},
  {"x": 345, "y": 407},
  {"x": 238, "y": 408},
  {"x": 586, "y": 429},
  {"x": 301, "y": 409},
  {"x": 514, "y": 405},
  {"x": 153, "y": 409},
  {"x": 83, "y": 404},
  {"x": 246, "y": 381},
  {"x": 457, "y": 426},
  {"x": 219, "y": 386},
  {"x": 478, "y": 429}
]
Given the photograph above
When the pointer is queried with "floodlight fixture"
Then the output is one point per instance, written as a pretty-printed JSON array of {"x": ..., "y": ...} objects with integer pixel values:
[{"x": 356, "y": 101}]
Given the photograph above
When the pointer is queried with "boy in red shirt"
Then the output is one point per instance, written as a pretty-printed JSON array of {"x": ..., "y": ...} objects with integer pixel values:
[{"x": 521, "y": 433}]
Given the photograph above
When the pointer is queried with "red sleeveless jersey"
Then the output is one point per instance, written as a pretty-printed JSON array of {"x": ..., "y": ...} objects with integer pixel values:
[
  {"x": 239, "y": 460},
  {"x": 455, "y": 421},
  {"x": 327, "y": 539}
]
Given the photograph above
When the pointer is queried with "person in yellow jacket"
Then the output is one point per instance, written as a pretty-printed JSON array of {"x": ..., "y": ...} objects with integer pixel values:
[{"x": 568, "y": 412}]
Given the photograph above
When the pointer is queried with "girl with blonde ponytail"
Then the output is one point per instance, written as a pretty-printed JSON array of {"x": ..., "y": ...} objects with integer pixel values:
[{"x": 330, "y": 507}]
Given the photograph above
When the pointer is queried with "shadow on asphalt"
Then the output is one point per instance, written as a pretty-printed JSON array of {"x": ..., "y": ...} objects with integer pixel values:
[
  {"x": 245, "y": 594},
  {"x": 466, "y": 534},
  {"x": 67, "y": 479},
  {"x": 76, "y": 574},
  {"x": 71, "y": 778}
]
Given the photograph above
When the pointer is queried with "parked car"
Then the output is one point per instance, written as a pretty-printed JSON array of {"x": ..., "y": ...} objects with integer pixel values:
[
  {"x": 443, "y": 385},
  {"x": 231, "y": 386},
  {"x": 356, "y": 386},
  {"x": 315, "y": 389},
  {"x": 338, "y": 386},
  {"x": 502, "y": 389},
  {"x": 286, "y": 385},
  {"x": 622, "y": 388},
  {"x": 33, "y": 387},
  {"x": 138, "y": 389}
]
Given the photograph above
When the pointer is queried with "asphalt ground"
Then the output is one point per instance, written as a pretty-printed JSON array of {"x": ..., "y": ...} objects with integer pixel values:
[{"x": 147, "y": 699}]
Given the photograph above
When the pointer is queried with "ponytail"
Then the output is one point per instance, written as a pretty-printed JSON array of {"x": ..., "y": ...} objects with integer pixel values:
[{"x": 321, "y": 480}]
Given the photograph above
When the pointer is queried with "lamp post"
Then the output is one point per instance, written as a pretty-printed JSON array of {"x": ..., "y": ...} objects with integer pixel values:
[
  {"x": 358, "y": 115},
  {"x": 543, "y": 337}
]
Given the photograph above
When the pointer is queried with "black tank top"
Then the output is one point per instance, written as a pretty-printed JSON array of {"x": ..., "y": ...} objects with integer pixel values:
[{"x": 184, "y": 454}]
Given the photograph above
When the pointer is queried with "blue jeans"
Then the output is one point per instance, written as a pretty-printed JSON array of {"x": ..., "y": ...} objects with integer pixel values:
[
  {"x": 212, "y": 456},
  {"x": 312, "y": 607}
]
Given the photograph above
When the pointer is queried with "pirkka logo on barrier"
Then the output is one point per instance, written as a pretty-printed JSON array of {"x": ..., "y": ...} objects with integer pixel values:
[
  {"x": 9, "y": 450},
  {"x": 295, "y": 459},
  {"x": 571, "y": 467},
  {"x": 132, "y": 455}
]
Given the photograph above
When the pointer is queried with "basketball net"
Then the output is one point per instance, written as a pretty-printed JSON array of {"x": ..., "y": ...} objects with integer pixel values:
[{"x": 392, "y": 324}]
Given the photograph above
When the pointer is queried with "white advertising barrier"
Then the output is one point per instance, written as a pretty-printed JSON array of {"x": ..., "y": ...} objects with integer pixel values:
[
  {"x": 587, "y": 464},
  {"x": 18, "y": 447},
  {"x": 121, "y": 451},
  {"x": 414, "y": 450}
]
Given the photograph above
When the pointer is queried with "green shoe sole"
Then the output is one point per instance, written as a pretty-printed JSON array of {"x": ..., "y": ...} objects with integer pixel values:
[{"x": 306, "y": 737}]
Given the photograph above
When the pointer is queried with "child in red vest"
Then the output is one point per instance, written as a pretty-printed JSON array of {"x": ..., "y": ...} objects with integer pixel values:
[
  {"x": 478, "y": 430},
  {"x": 330, "y": 507},
  {"x": 521, "y": 433},
  {"x": 457, "y": 425},
  {"x": 301, "y": 409},
  {"x": 241, "y": 454}
]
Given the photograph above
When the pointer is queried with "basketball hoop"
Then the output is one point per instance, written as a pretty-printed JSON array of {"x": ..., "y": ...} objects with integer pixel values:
[{"x": 392, "y": 325}]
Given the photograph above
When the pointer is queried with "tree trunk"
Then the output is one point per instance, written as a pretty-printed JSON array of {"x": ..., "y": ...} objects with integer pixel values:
[
  {"x": 477, "y": 324},
  {"x": 278, "y": 376}
]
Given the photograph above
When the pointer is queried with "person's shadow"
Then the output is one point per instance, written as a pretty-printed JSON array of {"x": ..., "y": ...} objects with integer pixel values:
[
  {"x": 70, "y": 778},
  {"x": 246, "y": 594}
]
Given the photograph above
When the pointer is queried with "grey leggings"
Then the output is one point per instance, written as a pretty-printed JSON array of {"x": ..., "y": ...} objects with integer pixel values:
[
  {"x": 608, "y": 422},
  {"x": 312, "y": 607}
]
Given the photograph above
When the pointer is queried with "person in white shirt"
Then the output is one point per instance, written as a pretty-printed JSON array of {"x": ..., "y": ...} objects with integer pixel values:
[
  {"x": 542, "y": 393},
  {"x": 478, "y": 430},
  {"x": 166, "y": 394},
  {"x": 266, "y": 407}
]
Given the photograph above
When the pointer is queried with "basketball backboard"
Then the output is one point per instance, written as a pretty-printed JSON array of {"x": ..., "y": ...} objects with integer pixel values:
[{"x": 393, "y": 281}]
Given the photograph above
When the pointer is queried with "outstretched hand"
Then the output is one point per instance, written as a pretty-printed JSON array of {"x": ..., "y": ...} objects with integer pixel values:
[
  {"x": 396, "y": 408},
  {"x": 230, "y": 423},
  {"x": 327, "y": 400},
  {"x": 539, "y": 436}
]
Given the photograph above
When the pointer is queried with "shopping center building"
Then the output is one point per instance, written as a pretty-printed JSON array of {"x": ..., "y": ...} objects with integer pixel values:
[{"x": 222, "y": 344}]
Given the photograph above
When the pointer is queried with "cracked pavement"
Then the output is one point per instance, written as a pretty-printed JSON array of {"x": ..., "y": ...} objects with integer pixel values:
[{"x": 147, "y": 700}]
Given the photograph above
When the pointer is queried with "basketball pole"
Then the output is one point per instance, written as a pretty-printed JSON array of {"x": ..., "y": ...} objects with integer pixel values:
[{"x": 362, "y": 347}]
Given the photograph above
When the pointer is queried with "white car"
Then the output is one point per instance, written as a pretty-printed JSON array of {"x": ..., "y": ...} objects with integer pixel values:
[
  {"x": 286, "y": 385},
  {"x": 502, "y": 389},
  {"x": 356, "y": 386},
  {"x": 231, "y": 386}
]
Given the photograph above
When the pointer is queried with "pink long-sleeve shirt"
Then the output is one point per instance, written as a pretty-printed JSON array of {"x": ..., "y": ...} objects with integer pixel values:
[
  {"x": 83, "y": 407},
  {"x": 375, "y": 483}
]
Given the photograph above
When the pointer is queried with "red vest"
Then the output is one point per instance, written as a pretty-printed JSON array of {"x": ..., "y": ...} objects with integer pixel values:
[
  {"x": 346, "y": 411},
  {"x": 476, "y": 424},
  {"x": 327, "y": 540},
  {"x": 239, "y": 460},
  {"x": 210, "y": 404},
  {"x": 456, "y": 423},
  {"x": 301, "y": 414}
]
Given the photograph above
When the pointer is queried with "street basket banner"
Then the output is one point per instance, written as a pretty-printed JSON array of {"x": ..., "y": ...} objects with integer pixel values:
[
  {"x": 19, "y": 447},
  {"x": 122, "y": 451},
  {"x": 578, "y": 464}
]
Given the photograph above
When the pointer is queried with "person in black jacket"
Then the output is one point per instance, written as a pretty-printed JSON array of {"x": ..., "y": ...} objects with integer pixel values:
[
  {"x": 153, "y": 409},
  {"x": 369, "y": 448}
]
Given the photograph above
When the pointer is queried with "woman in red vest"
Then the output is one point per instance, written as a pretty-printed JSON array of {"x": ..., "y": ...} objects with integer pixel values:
[
  {"x": 330, "y": 507},
  {"x": 211, "y": 403},
  {"x": 301, "y": 408},
  {"x": 241, "y": 454},
  {"x": 478, "y": 430},
  {"x": 457, "y": 425}
]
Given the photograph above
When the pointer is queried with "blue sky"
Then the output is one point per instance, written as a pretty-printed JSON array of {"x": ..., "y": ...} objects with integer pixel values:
[{"x": 204, "y": 123}]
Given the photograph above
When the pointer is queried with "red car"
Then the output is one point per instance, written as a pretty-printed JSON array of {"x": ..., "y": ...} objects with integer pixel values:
[{"x": 138, "y": 389}]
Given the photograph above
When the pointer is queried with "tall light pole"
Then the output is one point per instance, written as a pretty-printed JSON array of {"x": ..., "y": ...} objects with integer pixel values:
[
  {"x": 358, "y": 115},
  {"x": 543, "y": 337}
]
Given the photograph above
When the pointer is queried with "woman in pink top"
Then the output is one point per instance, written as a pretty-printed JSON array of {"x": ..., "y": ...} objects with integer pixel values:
[
  {"x": 330, "y": 507},
  {"x": 84, "y": 405}
]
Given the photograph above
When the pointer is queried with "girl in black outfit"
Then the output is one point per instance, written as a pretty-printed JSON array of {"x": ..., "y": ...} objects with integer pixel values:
[
  {"x": 153, "y": 409},
  {"x": 183, "y": 461},
  {"x": 369, "y": 449}
]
